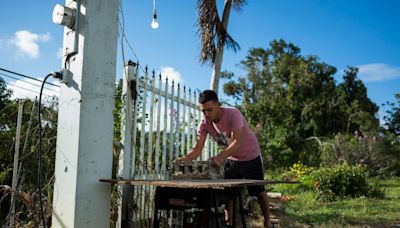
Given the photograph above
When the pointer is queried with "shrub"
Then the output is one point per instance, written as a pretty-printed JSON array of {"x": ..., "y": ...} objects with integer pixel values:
[
  {"x": 379, "y": 153},
  {"x": 297, "y": 172},
  {"x": 342, "y": 181}
]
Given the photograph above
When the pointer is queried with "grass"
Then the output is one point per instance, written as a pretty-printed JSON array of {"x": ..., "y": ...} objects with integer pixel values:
[{"x": 305, "y": 208}]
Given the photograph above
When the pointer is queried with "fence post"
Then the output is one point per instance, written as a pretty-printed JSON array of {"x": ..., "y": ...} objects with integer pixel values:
[
  {"x": 15, "y": 166},
  {"x": 125, "y": 156},
  {"x": 157, "y": 149},
  {"x": 171, "y": 126}
]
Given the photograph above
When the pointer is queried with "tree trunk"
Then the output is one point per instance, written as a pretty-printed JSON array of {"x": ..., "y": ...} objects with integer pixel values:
[{"x": 216, "y": 71}]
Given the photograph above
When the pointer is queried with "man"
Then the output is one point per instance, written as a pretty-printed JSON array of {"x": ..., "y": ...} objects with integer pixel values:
[{"x": 241, "y": 155}]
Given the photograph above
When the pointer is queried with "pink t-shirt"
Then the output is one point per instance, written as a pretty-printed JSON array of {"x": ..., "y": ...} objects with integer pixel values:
[{"x": 231, "y": 119}]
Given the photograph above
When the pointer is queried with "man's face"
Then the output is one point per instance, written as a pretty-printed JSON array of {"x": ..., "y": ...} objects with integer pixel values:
[{"x": 211, "y": 110}]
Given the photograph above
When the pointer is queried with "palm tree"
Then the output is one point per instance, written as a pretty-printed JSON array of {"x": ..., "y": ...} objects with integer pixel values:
[{"x": 214, "y": 35}]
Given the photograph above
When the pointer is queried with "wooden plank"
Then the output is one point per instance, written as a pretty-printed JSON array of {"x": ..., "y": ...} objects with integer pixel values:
[{"x": 214, "y": 184}]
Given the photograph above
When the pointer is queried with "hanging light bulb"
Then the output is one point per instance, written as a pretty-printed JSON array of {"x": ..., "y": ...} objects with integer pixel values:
[{"x": 154, "y": 22}]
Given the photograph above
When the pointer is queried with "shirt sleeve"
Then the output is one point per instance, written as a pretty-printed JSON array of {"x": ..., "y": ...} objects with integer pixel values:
[{"x": 237, "y": 120}]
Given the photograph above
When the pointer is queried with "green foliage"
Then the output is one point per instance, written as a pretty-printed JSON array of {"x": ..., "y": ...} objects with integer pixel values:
[
  {"x": 293, "y": 98},
  {"x": 5, "y": 173},
  {"x": 357, "y": 107},
  {"x": 305, "y": 208},
  {"x": 28, "y": 153},
  {"x": 342, "y": 181},
  {"x": 298, "y": 173},
  {"x": 379, "y": 153},
  {"x": 117, "y": 111},
  {"x": 392, "y": 116}
]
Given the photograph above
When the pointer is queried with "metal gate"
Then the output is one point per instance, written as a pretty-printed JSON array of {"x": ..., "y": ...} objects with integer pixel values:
[{"x": 160, "y": 120}]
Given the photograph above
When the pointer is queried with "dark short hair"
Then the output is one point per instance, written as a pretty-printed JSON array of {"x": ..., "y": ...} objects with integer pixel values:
[{"x": 207, "y": 95}]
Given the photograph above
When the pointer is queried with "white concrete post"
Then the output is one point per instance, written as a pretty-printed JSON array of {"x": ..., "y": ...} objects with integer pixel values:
[
  {"x": 85, "y": 120},
  {"x": 128, "y": 150}
]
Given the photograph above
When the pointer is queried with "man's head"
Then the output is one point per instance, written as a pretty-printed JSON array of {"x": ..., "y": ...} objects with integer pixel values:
[
  {"x": 208, "y": 95},
  {"x": 209, "y": 105}
]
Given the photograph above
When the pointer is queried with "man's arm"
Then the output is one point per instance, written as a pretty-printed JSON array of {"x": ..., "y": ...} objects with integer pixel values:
[
  {"x": 231, "y": 149},
  {"x": 196, "y": 150}
]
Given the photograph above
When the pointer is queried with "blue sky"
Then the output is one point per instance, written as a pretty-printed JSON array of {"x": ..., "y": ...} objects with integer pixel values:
[{"x": 360, "y": 33}]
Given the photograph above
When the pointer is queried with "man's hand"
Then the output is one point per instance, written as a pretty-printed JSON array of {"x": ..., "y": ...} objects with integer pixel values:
[
  {"x": 181, "y": 159},
  {"x": 217, "y": 160}
]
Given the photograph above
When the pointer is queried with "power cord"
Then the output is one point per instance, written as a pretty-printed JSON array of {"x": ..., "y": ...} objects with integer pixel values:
[{"x": 57, "y": 75}]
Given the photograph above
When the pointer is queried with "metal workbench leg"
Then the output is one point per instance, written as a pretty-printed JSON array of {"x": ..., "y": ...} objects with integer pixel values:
[
  {"x": 234, "y": 209},
  {"x": 156, "y": 223},
  {"x": 241, "y": 209},
  {"x": 214, "y": 200}
]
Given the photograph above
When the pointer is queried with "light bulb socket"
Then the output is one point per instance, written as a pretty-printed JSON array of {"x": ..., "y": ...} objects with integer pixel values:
[
  {"x": 154, "y": 22},
  {"x": 154, "y": 14}
]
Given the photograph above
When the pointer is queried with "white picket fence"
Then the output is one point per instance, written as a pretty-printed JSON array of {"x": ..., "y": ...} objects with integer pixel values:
[{"x": 160, "y": 120}]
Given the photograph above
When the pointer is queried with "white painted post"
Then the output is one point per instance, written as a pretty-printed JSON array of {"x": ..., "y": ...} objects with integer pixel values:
[
  {"x": 142, "y": 165},
  {"x": 85, "y": 120},
  {"x": 15, "y": 165},
  {"x": 194, "y": 130},
  {"x": 183, "y": 137},
  {"x": 171, "y": 126},
  {"x": 135, "y": 110},
  {"x": 190, "y": 119},
  {"x": 126, "y": 153},
  {"x": 150, "y": 138},
  {"x": 164, "y": 149},
  {"x": 177, "y": 140},
  {"x": 157, "y": 155},
  {"x": 143, "y": 125}
]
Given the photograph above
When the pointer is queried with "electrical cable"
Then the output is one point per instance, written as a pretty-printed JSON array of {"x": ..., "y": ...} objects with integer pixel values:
[
  {"x": 39, "y": 180},
  {"x": 123, "y": 37},
  {"x": 25, "y": 76},
  {"x": 5, "y": 75},
  {"x": 29, "y": 90}
]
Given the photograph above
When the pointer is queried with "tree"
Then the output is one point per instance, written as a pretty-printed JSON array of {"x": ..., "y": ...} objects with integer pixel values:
[
  {"x": 294, "y": 98},
  {"x": 28, "y": 160},
  {"x": 359, "y": 110},
  {"x": 214, "y": 36},
  {"x": 5, "y": 95},
  {"x": 392, "y": 117}
]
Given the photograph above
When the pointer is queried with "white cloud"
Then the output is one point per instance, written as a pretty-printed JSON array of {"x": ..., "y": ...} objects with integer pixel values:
[
  {"x": 171, "y": 74},
  {"x": 375, "y": 72},
  {"x": 28, "y": 88},
  {"x": 27, "y": 43}
]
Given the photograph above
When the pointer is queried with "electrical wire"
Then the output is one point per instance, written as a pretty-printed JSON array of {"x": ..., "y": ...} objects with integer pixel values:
[
  {"x": 123, "y": 37},
  {"x": 25, "y": 76},
  {"x": 39, "y": 180},
  {"x": 5, "y": 75},
  {"x": 29, "y": 90}
]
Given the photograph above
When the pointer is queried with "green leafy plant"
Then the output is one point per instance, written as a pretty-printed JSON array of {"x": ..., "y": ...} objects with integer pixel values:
[{"x": 343, "y": 181}]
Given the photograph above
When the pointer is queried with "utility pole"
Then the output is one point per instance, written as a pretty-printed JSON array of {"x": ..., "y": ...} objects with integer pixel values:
[{"x": 85, "y": 119}]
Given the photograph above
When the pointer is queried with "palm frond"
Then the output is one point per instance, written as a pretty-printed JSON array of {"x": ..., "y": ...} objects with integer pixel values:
[
  {"x": 238, "y": 4},
  {"x": 212, "y": 32}
]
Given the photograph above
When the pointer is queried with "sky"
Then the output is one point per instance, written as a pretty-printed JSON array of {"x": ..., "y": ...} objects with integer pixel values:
[{"x": 342, "y": 33}]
